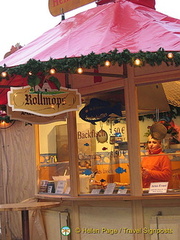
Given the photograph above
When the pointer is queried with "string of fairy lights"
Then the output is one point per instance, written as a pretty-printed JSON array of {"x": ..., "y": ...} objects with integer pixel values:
[{"x": 33, "y": 69}]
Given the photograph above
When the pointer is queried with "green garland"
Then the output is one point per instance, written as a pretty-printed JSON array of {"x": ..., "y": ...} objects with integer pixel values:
[
  {"x": 92, "y": 60},
  {"x": 172, "y": 114},
  {"x": 5, "y": 119}
]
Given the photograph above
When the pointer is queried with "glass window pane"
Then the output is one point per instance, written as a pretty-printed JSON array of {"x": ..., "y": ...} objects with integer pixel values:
[
  {"x": 159, "y": 123},
  {"x": 54, "y": 159},
  {"x": 103, "y": 149}
]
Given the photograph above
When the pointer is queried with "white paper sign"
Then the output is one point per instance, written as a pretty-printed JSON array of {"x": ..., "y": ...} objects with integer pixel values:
[
  {"x": 95, "y": 191},
  {"x": 49, "y": 190},
  {"x": 61, "y": 185},
  {"x": 122, "y": 191},
  {"x": 158, "y": 187},
  {"x": 110, "y": 188}
]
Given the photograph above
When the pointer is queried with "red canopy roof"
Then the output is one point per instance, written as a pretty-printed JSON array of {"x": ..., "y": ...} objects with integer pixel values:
[{"x": 121, "y": 25}]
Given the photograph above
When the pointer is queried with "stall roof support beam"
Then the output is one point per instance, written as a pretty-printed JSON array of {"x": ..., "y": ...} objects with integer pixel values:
[{"x": 131, "y": 106}]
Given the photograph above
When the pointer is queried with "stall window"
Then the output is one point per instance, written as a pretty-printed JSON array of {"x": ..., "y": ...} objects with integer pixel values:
[
  {"x": 102, "y": 152},
  {"x": 54, "y": 160},
  {"x": 160, "y": 140},
  {"x": 102, "y": 146}
]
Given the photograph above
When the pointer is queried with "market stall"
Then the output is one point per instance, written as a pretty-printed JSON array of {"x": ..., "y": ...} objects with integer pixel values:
[{"x": 100, "y": 144}]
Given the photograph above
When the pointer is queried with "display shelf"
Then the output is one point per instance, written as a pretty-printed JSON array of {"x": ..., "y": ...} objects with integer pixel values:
[{"x": 54, "y": 197}]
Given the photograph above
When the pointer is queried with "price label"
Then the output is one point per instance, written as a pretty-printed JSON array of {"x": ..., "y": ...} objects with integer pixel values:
[
  {"x": 61, "y": 185},
  {"x": 110, "y": 188},
  {"x": 158, "y": 187},
  {"x": 95, "y": 191}
]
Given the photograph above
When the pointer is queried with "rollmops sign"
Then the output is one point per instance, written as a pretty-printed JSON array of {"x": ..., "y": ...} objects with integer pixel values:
[{"x": 44, "y": 103}]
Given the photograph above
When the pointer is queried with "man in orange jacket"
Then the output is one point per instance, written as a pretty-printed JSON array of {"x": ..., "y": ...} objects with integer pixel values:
[{"x": 156, "y": 167}]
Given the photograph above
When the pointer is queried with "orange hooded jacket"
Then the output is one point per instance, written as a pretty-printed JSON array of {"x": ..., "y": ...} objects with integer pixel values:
[{"x": 159, "y": 167}]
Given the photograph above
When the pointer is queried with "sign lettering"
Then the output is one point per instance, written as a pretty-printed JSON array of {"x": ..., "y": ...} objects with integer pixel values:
[
  {"x": 44, "y": 103},
  {"x": 158, "y": 187}
]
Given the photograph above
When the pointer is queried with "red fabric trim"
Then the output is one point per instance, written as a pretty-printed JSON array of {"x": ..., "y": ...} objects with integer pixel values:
[{"x": 147, "y": 3}]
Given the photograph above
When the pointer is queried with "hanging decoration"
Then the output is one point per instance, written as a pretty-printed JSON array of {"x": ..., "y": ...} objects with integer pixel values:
[
  {"x": 165, "y": 126},
  {"x": 173, "y": 113},
  {"x": 99, "y": 110},
  {"x": 158, "y": 131},
  {"x": 33, "y": 68},
  {"x": 44, "y": 103},
  {"x": 5, "y": 121},
  {"x": 102, "y": 136},
  {"x": 172, "y": 129}
]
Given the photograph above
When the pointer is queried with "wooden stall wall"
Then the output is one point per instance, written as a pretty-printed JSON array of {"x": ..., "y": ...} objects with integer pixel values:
[{"x": 18, "y": 173}]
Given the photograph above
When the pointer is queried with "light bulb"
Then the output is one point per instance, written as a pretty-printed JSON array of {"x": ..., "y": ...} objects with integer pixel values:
[
  {"x": 137, "y": 62},
  {"x": 80, "y": 70},
  {"x": 4, "y": 74},
  {"x": 3, "y": 122},
  {"x": 170, "y": 55},
  {"x": 52, "y": 71},
  {"x": 107, "y": 63}
]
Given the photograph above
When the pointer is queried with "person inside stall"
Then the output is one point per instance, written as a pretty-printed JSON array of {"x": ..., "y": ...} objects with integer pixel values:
[{"x": 156, "y": 167}]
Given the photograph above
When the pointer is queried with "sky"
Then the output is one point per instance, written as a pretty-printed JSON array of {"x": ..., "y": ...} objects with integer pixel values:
[{"x": 22, "y": 21}]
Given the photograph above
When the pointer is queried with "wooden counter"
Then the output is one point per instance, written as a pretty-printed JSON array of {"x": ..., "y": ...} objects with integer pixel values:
[
  {"x": 24, "y": 208},
  {"x": 89, "y": 197},
  {"x": 27, "y": 206}
]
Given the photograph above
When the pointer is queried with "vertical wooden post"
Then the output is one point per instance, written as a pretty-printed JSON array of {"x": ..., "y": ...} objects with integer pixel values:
[
  {"x": 138, "y": 218},
  {"x": 75, "y": 221},
  {"x": 37, "y": 155},
  {"x": 74, "y": 169},
  {"x": 131, "y": 105},
  {"x": 73, "y": 153}
]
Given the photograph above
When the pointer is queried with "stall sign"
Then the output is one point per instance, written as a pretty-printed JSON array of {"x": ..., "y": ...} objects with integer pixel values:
[
  {"x": 158, "y": 187},
  {"x": 44, "y": 103},
  {"x": 99, "y": 110},
  {"x": 57, "y": 7},
  {"x": 34, "y": 119}
]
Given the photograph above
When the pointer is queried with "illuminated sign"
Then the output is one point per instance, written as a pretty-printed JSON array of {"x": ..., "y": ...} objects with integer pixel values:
[
  {"x": 56, "y": 7},
  {"x": 44, "y": 103}
]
